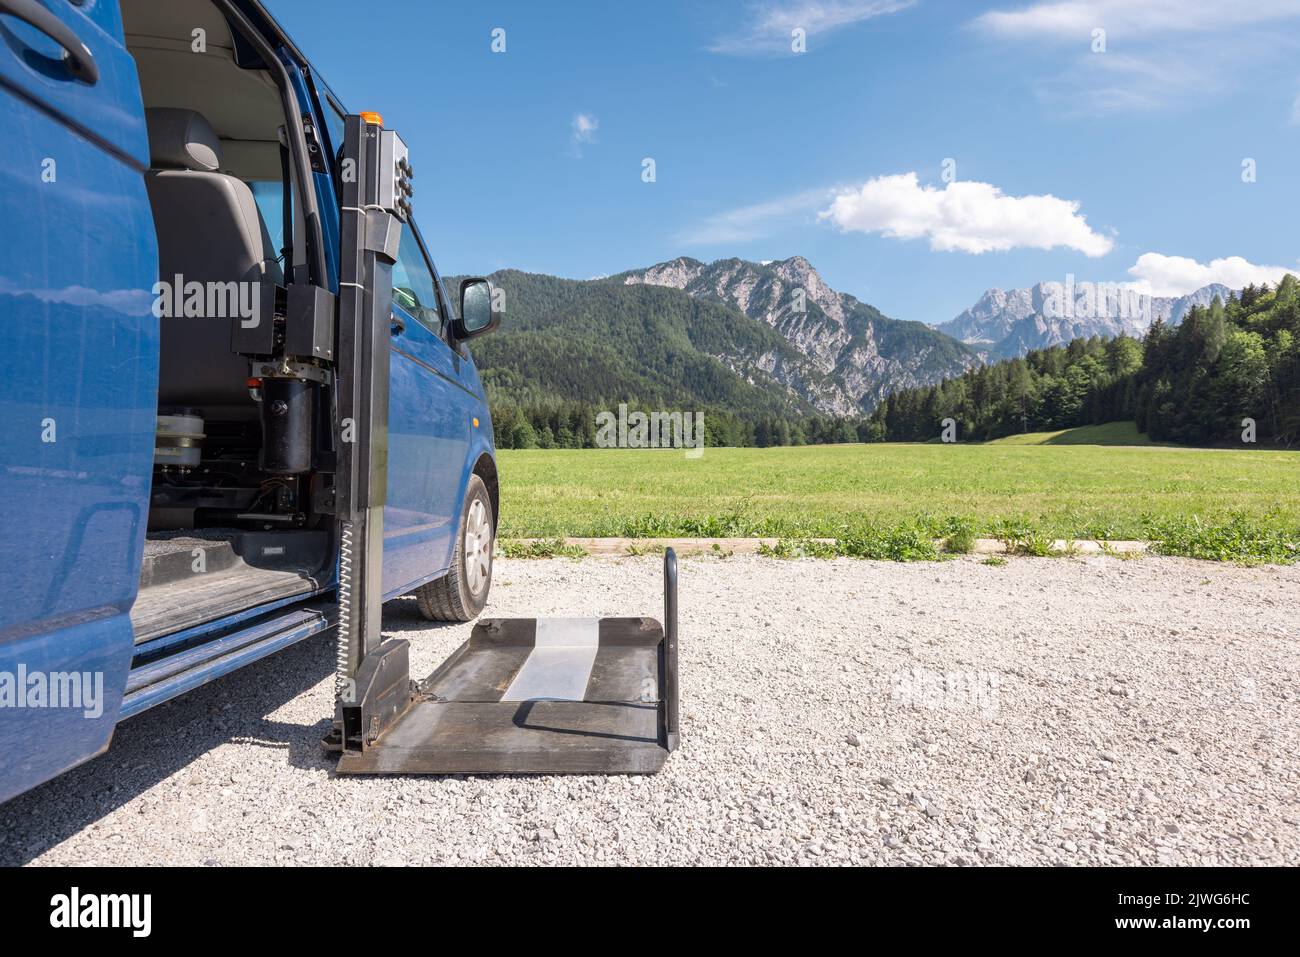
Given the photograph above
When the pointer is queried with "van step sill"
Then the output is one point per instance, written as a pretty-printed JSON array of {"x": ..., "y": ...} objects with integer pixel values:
[{"x": 202, "y": 576}]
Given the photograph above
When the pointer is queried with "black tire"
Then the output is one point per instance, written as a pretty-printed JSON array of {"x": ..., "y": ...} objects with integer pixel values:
[{"x": 461, "y": 594}]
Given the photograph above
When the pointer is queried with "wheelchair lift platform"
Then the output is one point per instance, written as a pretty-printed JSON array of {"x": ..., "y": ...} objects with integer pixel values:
[{"x": 534, "y": 696}]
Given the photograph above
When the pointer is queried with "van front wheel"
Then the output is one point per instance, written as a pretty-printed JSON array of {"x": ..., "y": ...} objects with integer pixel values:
[{"x": 461, "y": 594}]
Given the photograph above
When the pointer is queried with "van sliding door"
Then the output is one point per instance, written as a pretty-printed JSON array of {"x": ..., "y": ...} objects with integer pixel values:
[{"x": 78, "y": 380}]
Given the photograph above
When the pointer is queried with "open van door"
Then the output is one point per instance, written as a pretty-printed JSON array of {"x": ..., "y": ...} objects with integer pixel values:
[{"x": 77, "y": 269}]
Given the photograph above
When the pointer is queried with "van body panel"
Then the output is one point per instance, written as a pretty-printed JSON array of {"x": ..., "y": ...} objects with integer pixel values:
[
  {"x": 109, "y": 113},
  {"x": 79, "y": 401},
  {"x": 429, "y": 422}
]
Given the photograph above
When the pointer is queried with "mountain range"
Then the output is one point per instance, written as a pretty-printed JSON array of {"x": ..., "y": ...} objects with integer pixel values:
[
  {"x": 756, "y": 338},
  {"x": 861, "y": 353},
  {"x": 1006, "y": 323},
  {"x": 600, "y": 342}
]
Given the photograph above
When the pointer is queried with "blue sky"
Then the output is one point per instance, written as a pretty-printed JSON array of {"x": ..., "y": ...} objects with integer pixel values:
[{"x": 1115, "y": 164}]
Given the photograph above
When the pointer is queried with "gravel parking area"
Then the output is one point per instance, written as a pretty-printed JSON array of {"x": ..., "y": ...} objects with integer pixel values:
[{"x": 1044, "y": 711}]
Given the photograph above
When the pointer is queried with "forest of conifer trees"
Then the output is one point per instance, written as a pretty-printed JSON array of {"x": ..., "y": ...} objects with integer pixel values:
[{"x": 1193, "y": 383}]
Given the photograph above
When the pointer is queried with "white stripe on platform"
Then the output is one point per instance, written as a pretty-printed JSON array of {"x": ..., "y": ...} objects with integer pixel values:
[{"x": 559, "y": 666}]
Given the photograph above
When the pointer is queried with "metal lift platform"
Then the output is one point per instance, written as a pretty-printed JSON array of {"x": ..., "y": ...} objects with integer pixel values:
[{"x": 536, "y": 696}]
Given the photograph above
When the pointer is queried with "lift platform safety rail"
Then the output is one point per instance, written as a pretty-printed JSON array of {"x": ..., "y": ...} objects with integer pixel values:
[{"x": 521, "y": 696}]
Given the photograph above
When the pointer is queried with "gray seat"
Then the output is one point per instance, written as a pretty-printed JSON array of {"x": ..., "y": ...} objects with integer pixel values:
[{"x": 209, "y": 231}]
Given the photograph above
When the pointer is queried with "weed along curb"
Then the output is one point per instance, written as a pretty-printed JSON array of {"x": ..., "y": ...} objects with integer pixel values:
[{"x": 778, "y": 547}]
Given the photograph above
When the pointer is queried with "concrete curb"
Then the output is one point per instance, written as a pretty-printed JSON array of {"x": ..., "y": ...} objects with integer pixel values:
[{"x": 606, "y": 547}]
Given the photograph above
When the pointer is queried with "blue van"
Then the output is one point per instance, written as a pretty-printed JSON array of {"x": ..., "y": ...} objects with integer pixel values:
[{"x": 238, "y": 407}]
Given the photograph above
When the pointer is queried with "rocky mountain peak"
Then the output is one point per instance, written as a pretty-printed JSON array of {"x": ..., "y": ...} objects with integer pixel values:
[
  {"x": 676, "y": 273},
  {"x": 860, "y": 354},
  {"x": 799, "y": 273},
  {"x": 1005, "y": 323}
]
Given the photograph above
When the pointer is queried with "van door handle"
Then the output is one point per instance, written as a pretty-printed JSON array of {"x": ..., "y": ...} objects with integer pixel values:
[
  {"x": 81, "y": 62},
  {"x": 397, "y": 324}
]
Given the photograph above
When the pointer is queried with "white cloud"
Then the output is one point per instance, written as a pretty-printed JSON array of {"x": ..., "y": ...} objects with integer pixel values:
[
  {"x": 747, "y": 223},
  {"x": 1160, "y": 275},
  {"x": 770, "y": 25},
  {"x": 1133, "y": 18},
  {"x": 964, "y": 216},
  {"x": 1120, "y": 82},
  {"x": 584, "y": 127},
  {"x": 1158, "y": 52}
]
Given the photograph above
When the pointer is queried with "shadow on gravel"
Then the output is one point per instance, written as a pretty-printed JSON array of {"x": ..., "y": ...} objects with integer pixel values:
[
  {"x": 403, "y": 614},
  {"x": 152, "y": 746}
]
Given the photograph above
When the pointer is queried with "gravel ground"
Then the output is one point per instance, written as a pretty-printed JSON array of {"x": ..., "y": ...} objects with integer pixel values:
[{"x": 1047, "y": 711}]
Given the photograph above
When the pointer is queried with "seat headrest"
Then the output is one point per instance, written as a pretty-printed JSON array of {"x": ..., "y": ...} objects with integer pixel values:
[{"x": 182, "y": 139}]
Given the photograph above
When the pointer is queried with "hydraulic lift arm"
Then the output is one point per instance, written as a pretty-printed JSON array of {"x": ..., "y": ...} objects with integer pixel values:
[{"x": 371, "y": 679}]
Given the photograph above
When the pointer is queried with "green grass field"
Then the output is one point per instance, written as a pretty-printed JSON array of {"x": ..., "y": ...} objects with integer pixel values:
[
  {"x": 1112, "y": 433},
  {"x": 1037, "y": 485}
]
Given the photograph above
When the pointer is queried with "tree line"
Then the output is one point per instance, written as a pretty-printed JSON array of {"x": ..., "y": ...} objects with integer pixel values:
[
  {"x": 1196, "y": 383},
  {"x": 548, "y": 423}
]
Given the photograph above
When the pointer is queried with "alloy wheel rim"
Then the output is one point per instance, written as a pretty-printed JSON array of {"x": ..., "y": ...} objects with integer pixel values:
[{"x": 478, "y": 546}]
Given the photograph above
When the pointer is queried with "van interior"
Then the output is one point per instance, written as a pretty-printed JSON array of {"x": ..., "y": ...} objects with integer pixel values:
[{"x": 241, "y": 462}]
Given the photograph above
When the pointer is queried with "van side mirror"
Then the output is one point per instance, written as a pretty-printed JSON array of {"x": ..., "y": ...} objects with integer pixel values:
[{"x": 480, "y": 309}]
